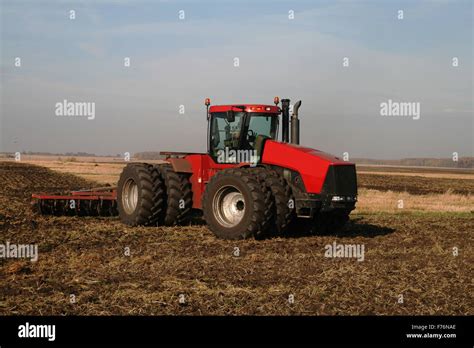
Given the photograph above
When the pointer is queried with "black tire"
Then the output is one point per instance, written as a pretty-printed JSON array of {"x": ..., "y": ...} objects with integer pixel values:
[
  {"x": 136, "y": 208},
  {"x": 262, "y": 174},
  {"x": 159, "y": 196},
  {"x": 187, "y": 191},
  {"x": 283, "y": 213},
  {"x": 178, "y": 196},
  {"x": 282, "y": 195},
  {"x": 250, "y": 200}
]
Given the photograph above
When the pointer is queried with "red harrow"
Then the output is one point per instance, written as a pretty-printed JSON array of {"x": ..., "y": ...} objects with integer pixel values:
[{"x": 99, "y": 201}]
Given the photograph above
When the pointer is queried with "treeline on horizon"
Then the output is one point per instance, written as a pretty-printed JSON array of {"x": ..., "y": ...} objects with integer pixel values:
[{"x": 462, "y": 162}]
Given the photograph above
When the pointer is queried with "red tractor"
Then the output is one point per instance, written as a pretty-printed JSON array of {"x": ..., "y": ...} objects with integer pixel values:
[{"x": 248, "y": 184}]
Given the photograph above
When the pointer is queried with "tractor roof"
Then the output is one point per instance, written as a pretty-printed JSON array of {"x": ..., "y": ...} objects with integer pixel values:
[{"x": 260, "y": 108}]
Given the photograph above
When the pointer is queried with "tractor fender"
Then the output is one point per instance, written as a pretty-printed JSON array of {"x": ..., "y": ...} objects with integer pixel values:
[{"x": 180, "y": 165}]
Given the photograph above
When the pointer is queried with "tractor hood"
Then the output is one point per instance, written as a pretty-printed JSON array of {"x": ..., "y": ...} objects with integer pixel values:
[{"x": 311, "y": 164}]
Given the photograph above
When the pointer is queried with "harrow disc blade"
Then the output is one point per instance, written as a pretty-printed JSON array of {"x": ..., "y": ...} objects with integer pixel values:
[
  {"x": 100, "y": 201},
  {"x": 46, "y": 206},
  {"x": 58, "y": 207}
]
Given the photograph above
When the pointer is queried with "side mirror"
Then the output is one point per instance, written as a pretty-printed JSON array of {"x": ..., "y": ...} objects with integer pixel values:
[{"x": 230, "y": 117}]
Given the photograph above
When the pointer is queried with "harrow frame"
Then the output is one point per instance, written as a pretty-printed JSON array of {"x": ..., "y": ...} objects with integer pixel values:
[{"x": 98, "y": 201}]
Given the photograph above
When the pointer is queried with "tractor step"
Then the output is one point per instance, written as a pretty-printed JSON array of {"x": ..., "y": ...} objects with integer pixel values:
[{"x": 99, "y": 201}]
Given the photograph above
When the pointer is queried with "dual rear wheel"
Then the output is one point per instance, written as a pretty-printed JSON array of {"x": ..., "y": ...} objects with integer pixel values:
[{"x": 150, "y": 195}]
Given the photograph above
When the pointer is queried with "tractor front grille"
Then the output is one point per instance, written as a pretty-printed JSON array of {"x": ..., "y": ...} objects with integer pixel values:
[{"x": 341, "y": 180}]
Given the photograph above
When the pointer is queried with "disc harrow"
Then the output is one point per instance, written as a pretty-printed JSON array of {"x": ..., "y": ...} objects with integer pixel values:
[{"x": 100, "y": 201}]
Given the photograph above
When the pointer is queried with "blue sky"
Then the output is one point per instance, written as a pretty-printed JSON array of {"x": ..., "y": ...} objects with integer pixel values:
[{"x": 180, "y": 62}]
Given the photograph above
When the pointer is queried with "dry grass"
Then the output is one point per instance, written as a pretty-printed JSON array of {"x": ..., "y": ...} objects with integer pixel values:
[
  {"x": 377, "y": 201},
  {"x": 103, "y": 173},
  {"x": 417, "y": 185},
  {"x": 100, "y": 172},
  {"x": 458, "y": 176},
  {"x": 418, "y": 169}
]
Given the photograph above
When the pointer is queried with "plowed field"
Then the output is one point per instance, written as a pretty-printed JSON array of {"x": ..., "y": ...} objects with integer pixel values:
[{"x": 84, "y": 266}]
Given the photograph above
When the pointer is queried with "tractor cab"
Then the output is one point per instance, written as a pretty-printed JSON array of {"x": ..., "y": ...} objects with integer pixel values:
[{"x": 237, "y": 132}]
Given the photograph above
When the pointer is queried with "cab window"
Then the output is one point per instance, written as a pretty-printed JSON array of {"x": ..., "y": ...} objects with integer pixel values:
[{"x": 224, "y": 133}]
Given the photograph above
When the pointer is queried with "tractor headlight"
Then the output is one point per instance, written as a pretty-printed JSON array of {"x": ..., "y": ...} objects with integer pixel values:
[{"x": 337, "y": 199}]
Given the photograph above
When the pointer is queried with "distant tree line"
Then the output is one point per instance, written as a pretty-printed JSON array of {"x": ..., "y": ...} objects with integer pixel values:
[
  {"x": 148, "y": 155},
  {"x": 462, "y": 162}
]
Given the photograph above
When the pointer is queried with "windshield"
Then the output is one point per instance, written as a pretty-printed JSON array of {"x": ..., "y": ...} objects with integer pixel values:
[
  {"x": 246, "y": 132},
  {"x": 263, "y": 125}
]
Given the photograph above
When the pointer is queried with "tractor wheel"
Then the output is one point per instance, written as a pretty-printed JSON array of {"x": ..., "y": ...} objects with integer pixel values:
[
  {"x": 281, "y": 193},
  {"x": 234, "y": 204},
  {"x": 187, "y": 191},
  {"x": 178, "y": 195},
  {"x": 159, "y": 196},
  {"x": 283, "y": 212},
  {"x": 262, "y": 175},
  {"x": 135, "y": 195}
]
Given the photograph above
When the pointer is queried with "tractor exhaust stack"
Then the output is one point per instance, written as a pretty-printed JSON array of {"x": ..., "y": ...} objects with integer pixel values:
[
  {"x": 285, "y": 120},
  {"x": 295, "y": 124}
]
